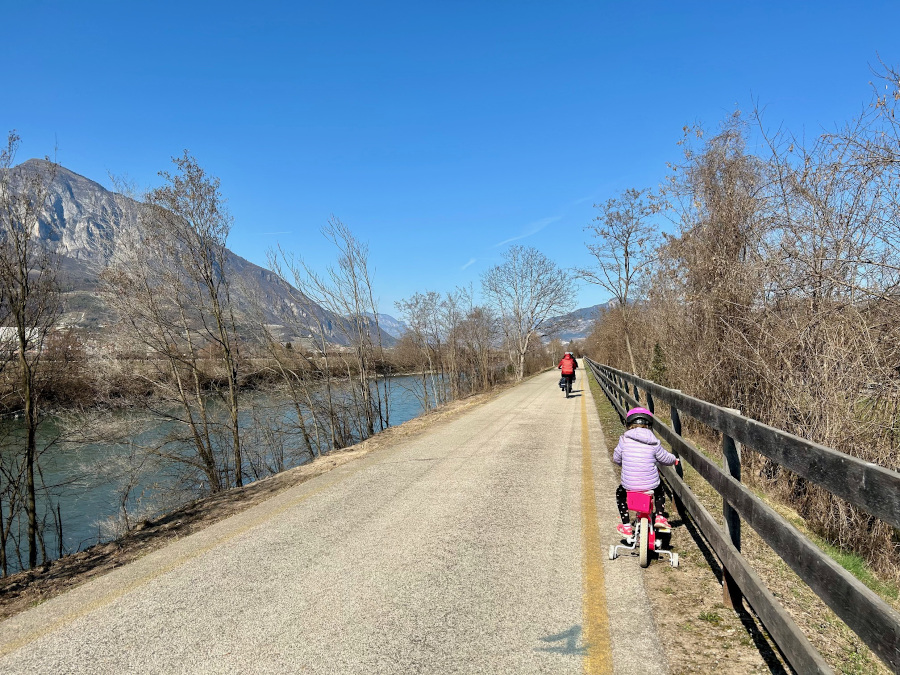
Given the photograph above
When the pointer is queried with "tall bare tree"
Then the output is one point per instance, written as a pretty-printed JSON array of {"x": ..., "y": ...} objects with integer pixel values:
[
  {"x": 624, "y": 247},
  {"x": 420, "y": 313},
  {"x": 479, "y": 332},
  {"x": 172, "y": 291},
  {"x": 345, "y": 292},
  {"x": 526, "y": 289},
  {"x": 29, "y": 294},
  {"x": 190, "y": 208}
]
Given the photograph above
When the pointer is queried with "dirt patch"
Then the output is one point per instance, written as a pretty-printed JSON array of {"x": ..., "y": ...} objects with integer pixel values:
[
  {"x": 699, "y": 633},
  {"x": 702, "y": 635},
  {"x": 23, "y": 590}
]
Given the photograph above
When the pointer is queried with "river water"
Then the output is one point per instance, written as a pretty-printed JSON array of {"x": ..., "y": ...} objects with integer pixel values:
[{"x": 92, "y": 481}]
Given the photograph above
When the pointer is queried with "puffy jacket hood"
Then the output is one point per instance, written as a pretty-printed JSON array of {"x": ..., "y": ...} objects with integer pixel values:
[{"x": 642, "y": 435}]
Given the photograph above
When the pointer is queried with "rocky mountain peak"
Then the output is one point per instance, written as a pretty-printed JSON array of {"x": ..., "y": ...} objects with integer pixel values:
[{"x": 87, "y": 224}]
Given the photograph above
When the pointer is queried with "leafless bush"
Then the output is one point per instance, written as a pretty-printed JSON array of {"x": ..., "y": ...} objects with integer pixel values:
[{"x": 778, "y": 296}]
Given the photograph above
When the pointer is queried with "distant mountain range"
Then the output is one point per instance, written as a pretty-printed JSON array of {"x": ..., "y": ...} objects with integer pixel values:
[
  {"x": 88, "y": 224},
  {"x": 390, "y": 325},
  {"x": 577, "y": 325}
]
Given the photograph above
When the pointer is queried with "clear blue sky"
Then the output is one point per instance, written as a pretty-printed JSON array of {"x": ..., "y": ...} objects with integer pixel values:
[{"x": 435, "y": 130}]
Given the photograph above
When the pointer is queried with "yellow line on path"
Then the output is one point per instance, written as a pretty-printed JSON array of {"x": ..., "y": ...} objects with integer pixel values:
[{"x": 598, "y": 653}]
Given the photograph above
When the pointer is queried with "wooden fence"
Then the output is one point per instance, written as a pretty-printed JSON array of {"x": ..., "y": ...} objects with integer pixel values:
[{"x": 868, "y": 486}]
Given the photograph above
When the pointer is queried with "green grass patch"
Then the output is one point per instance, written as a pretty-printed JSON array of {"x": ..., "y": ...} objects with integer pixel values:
[
  {"x": 857, "y": 566},
  {"x": 711, "y": 617}
]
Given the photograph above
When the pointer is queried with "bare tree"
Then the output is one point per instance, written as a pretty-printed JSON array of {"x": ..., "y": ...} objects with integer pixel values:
[
  {"x": 29, "y": 293},
  {"x": 451, "y": 320},
  {"x": 170, "y": 288},
  {"x": 349, "y": 293},
  {"x": 302, "y": 366},
  {"x": 526, "y": 289},
  {"x": 778, "y": 296},
  {"x": 189, "y": 208},
  {"x": 338, "y": 306},
  {"x": 624, "y": 248},
  {"x": 479, "y": 333},
  {"x": 420, "y": 313}
]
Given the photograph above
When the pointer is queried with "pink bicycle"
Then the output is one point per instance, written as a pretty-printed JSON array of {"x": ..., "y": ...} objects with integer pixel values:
[{"x": 646, "y": 537}]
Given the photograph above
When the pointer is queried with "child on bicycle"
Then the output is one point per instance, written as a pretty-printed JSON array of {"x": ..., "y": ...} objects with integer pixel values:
[{"x": 638, "y": 452}]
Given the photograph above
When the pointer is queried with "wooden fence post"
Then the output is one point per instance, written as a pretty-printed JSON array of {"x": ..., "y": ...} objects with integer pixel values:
[
  {"x": 637, "y": 394},
  {"x": 679, "y": 470},
  {"x": 731, "y": 462},
  {"x": 650, "y": 402}
]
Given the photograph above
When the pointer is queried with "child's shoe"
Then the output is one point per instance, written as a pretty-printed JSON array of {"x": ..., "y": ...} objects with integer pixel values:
[
  {"x": 625, "y": 530},
  {"x": 661, "y": 523}
]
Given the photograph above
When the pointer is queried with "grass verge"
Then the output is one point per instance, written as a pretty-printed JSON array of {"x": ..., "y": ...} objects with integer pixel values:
[{"x": 706, "y": 638}]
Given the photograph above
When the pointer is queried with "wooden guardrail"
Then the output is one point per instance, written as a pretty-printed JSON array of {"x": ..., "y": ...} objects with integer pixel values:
[{"x": 868, "y": 486}]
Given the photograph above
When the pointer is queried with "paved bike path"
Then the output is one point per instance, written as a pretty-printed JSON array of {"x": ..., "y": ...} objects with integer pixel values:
[{"x": 458, "y": 550}]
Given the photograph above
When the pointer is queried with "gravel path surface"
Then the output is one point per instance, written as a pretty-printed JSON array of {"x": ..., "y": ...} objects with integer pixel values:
[{"x": 460, "y": 550}]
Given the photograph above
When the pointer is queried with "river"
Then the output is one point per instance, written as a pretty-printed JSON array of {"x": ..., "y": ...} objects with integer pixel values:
[{"x": 91, "y": 481}]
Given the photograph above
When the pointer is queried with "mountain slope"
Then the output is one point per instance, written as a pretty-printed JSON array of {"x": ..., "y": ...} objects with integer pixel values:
[
  {"x": 89, "y": 225},
  {"x": 577, "y": 324},
  {"x": 390, "y": 325}
]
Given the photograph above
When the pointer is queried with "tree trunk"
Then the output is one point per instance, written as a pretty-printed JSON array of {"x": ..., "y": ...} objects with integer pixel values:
[
  {"x": 30, "y": 453},
  {"x": 627, "y": 336},
  {"x": 630, "y": 353},
  {"x": 235, "y": 429}
]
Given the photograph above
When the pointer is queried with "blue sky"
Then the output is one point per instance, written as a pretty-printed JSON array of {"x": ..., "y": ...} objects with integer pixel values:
[{"x": 440, "y": 132}]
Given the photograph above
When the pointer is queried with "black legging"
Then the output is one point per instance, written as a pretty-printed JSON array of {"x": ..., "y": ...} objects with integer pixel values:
[{"x": 659, "y": 502}]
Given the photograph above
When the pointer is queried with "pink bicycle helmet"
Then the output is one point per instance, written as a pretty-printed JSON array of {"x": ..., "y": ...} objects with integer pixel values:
[{"x": 639, "y": 416}]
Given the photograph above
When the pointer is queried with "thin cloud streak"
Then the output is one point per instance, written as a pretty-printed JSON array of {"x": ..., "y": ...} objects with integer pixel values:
[
  {"x": 532, "y": 228},
  {"x": 468, "y": 264}
]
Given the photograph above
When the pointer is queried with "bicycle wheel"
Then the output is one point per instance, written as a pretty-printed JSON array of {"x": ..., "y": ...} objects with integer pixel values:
[{"x": 644, "y": 543}]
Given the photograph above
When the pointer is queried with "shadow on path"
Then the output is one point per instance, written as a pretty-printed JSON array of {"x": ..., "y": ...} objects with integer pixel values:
[{"x": 570, "y": 644}]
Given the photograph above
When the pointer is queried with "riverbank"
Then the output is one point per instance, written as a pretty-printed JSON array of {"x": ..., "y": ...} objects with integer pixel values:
[{"x": 26, "y": 589}]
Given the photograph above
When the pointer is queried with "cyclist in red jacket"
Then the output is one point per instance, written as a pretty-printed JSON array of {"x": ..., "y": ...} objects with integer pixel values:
[{"x": 568, "y": 365}]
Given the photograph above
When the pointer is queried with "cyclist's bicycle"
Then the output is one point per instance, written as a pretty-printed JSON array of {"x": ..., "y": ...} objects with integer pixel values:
[{"x": 565, "y": 383}]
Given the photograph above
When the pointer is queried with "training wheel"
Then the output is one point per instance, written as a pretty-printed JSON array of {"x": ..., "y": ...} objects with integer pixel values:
[
  {"x": 612, "y": 553},
  {"x": 674, "y": 560}
]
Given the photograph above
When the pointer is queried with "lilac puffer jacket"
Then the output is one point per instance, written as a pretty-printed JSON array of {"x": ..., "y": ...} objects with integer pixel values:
[{"x": 638, "y": 452}]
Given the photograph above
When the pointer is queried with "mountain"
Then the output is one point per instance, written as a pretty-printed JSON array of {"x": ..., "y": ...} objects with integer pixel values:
[
  {"x": 390, "y": 325},
  {"x": 88, "y": 225},
  {"x": 577, "y": 325}
]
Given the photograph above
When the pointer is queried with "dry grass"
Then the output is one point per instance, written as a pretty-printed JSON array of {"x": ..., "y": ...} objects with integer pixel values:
[{"x": 710, "y": 638}]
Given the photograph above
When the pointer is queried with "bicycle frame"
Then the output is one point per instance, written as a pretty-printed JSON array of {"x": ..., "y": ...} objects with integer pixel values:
[{"x": 642, "y": 504}]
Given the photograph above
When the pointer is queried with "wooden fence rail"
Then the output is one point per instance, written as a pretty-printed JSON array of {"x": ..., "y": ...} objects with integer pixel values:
[{"x": 869, "y": 486}]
